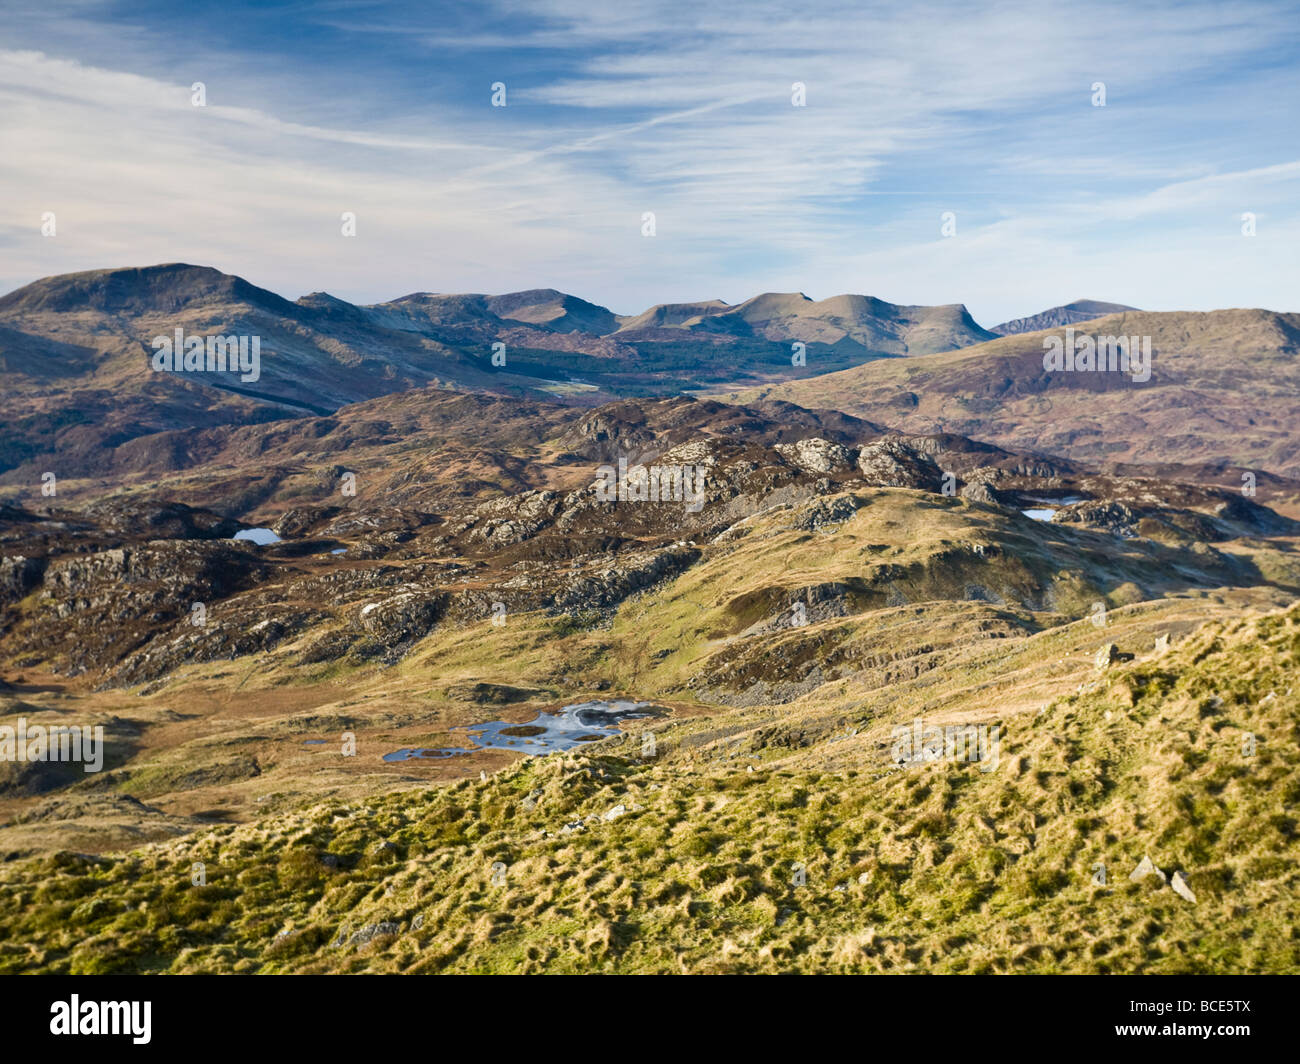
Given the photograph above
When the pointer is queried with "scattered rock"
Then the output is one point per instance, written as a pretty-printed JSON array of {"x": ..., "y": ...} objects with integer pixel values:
[
  {"x": 371, "y": 931},
  {"x": 1146, "y": 867}
]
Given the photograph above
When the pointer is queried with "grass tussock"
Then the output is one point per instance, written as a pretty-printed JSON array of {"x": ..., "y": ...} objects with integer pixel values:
[{"x": 752, "y": 856}]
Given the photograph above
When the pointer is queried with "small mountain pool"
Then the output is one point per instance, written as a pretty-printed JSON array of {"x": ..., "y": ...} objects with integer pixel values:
[
  {"x": 583, "y": 722},
  {"x": 1047, "y": 511},
  {"x": 263, "y": 537}
]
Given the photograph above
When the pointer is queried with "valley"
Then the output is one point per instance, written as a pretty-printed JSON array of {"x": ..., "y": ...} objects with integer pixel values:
[{"x": 361, "y": 665}]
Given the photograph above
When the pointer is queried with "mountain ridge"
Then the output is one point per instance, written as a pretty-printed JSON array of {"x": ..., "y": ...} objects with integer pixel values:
[
  {"x": 1066, "y": 314},
  {"x": 1209, "y": 372},
  {"x": 176, "y": 284},
  {"x": 78, "y": 351}
]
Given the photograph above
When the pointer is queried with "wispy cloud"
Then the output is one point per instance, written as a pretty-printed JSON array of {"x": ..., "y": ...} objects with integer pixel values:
[{"x": 681, "y": 109}]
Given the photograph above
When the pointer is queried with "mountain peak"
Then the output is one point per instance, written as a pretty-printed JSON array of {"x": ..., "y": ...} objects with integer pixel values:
[
  {"x": 163, "y": 288},
  {"x": 551, "y": 309},
  {"x": 1055, "y": 317}
]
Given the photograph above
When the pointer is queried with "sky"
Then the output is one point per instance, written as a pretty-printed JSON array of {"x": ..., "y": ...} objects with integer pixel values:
[{"x": 983, "y": 116}]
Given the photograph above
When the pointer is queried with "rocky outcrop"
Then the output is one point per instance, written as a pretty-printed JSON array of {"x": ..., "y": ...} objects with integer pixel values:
[
  {"x": 979, "y": 491},
  {"x": 817, "y": 456},
  {"x": 18, "y": 575},
  {"x": 228, "y": 631},
  {"x": 404, "y": 617},
  {"x": 636, "y": 572},
  {"x": 167, "y": 576},
  {"x": 171, "y": 520},
  {"x": 1117, "y": 518},
  {"x": 1252, "y": 518},
  {"x": 893, "y": 463},
  {"x": 826, "y": 514},
  {"x": 97, "y": 609},
  {"x": 510, "y": 519}
]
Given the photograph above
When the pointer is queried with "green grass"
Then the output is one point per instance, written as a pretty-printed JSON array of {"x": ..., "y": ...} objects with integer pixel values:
[{"x": 940, "y": 867}]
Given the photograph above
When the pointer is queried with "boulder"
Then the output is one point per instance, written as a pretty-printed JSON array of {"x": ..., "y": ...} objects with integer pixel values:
[
  {"x": 1107, "y": 655},
  {"x": 891, "y": 462}
]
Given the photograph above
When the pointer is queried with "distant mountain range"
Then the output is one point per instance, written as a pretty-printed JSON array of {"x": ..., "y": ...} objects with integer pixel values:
[
  {"x": 325, "y": 349},
  {"x": 1224, "y": 388},
  {"x": 82, "y": 393},
  {"x": 78, "y": 351}
]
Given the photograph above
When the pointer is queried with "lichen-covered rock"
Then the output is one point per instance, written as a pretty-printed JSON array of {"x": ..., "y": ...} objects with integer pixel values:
[
  {"x": 18, "y": 575},
  {"x": 609, "y": 586},
  {"x": 1117, "y": 518},
  {"x": 980, "y": 492},
  {"x": 826, "y": 513},
  {"x": 893, "y": 463},
  {"x": 405, "y": 616},
  {"x": 1107, "y": 655},
  {"x": 511, "y": 519},
  {"x": 816, "y": 455}
]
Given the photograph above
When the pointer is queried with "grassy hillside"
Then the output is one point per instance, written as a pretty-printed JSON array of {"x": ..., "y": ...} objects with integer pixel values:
[
  {"x": 914, "y": 604},
  {"x": 607, "y": 861},
  {"x": 1223, "y": 388}
]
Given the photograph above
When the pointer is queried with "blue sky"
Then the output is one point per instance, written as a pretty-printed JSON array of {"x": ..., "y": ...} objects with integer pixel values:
[{"x": 681, "y": 109}]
